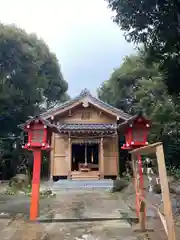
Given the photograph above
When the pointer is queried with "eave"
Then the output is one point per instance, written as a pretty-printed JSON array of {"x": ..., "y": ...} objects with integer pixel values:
[{"x": 85, "y": 95}]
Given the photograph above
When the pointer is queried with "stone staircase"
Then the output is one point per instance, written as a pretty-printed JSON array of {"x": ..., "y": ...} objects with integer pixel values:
[
  {"x": 92, "y": 175},
  {"x": 82, "y": 184}
]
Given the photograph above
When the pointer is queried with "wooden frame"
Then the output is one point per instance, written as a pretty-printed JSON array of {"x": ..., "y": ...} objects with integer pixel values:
[{"x": 168, "y": 222}]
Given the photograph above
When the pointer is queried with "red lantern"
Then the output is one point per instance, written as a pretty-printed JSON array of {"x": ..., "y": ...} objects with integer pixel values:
[
  {"x": 38, "y": 134},
  {"x": 136, "y": 131}
]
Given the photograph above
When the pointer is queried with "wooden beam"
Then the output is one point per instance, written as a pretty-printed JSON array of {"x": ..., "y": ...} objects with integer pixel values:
[
  {"x": 69, "y": 156},
  {"x": 117, "y": 156},
  {"x": 101, "y": 158},
  {"x": 151, "y": 148},
  {"x": 165, "y": 192},
  {"x": 52, "y": 155}
]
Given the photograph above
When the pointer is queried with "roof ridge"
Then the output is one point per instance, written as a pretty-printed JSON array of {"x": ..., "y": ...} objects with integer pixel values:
[
  {"x": 110, "y": 105},
  {"x": 86, "y": 93}
]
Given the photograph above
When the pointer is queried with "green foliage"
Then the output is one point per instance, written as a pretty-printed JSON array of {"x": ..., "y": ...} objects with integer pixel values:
[
  {"x": 27, "y": 191},
  {"x": 155, "y": 24},
  {"x": 29, "y": 75},
  {"x": 30, "y": 79},
  {"x": 174, "y": 171},
  {"x": 135, "y": 86},
  {"x": 46, "y": 193},
  {"x": 10, "y": 191},
  {"x": 19, "y": 181}
]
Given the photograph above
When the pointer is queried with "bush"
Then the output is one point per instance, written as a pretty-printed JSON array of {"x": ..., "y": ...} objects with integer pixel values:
[
  {"x": 119, "y": 185},
  {"x": 174, "y": 171},
  {"x": 20, "y": 181},
  {"x": 46, "y": 193},
  {"x": 157, "y": 189},
  {"x": 10, "y": 191}
]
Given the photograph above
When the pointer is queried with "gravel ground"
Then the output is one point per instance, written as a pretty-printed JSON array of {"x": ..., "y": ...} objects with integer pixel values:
[{"x": 73, "y": 209}]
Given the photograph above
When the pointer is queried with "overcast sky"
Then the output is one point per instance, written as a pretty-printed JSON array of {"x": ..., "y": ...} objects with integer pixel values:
[{"x": 80, "y": 32}]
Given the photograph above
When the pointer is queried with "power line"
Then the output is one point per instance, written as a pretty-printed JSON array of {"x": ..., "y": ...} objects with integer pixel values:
[{"x": 4, "y": 138}]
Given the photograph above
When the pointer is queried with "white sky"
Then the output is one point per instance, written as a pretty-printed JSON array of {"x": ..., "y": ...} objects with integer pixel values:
[{"x": 80, "y": 32}]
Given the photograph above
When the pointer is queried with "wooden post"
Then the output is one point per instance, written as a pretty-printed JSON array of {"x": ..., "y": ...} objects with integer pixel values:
[
  {"x": 142, "y": 217},
  {"x": 34, "y": 207},
  {"x": 69, "y": 157},
  {"x": 141, "y": 177},
  {"x": 165, "y": 193},
  {"x": 117, "y": 155},
  {"x": 135, "y": 184},
  {"x": 117, "y": 148},
  {"x": 52, "y": 156},
  {"x": 102, "y": 158},
  {"x": 85, "y": 154}
]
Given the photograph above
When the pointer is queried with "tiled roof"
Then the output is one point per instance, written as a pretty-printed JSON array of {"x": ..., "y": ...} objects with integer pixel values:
[
  {"x": 83, "y": 94},
  {"x": 44, "y": 121},
  {"x": 131, "y": 120},
  {"x": 100, "y": 127}
]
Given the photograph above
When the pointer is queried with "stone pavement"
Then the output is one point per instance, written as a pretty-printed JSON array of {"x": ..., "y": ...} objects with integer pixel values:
[
  {"x": 84, "y": 214},
  {"x": 75, "y": 207}
]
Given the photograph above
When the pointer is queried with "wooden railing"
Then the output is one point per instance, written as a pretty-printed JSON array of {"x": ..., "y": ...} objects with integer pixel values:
[{"x": 141, "y": 201}]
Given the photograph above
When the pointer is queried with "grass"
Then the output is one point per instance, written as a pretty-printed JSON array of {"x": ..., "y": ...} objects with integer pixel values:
[{"x": 27, "y": 191}]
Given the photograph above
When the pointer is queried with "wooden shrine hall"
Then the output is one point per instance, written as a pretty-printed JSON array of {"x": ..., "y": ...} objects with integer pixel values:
[{"x": 85, "y": 143}]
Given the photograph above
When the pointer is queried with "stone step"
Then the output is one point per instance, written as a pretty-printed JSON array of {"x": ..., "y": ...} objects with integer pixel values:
[
  {"x": 94, "y": 173},
  {"x": 77, "y": 184},
  {"x": 85, "y": 175},
  {"x": 79, "y": 177},
  {"x": 101, "y": 181}
]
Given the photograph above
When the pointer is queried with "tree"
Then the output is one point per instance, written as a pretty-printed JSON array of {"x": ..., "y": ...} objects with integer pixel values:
[
  {"x": 156, "y": 25},
  {"x": 30, "y": 75},
  {"x": 134, "y": 87}
]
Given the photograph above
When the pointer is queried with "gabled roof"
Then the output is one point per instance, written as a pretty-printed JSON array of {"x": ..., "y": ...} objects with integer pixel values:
[
  {"x": 42, "y": 120},
  {"x": 132, "y": 120},
  {"x": 85, "y": 94}
]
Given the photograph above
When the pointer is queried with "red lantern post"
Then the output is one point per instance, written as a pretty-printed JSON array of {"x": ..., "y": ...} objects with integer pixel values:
[
  {"x": 37, "y": 130},
  {"x": 136, "y": 131}
]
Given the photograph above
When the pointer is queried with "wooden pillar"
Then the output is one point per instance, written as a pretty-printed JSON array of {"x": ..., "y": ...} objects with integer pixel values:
[
  {"x": 101, "y": 158},
  {"x": 117, "y": 148},
  {"x": 69, "y": 156},
  {"x": 135, "y": 184},
  {"x": 117, "y": 155},
  {"x": 165, "y": 193},
  {"x": 52, "y": 156},
  {"x": 85, "y": 157}
]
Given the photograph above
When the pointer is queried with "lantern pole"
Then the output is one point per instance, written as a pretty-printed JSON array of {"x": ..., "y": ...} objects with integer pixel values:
[
  {"x": 34, "y": 207},
  {"x": 141, "y": 179}
]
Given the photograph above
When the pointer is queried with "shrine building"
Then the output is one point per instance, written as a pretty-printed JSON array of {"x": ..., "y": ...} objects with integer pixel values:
[{"x": 85, "y": 145}]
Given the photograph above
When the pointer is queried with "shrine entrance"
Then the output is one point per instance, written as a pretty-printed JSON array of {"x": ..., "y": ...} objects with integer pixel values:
[{"x": 85, "y": 155}]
